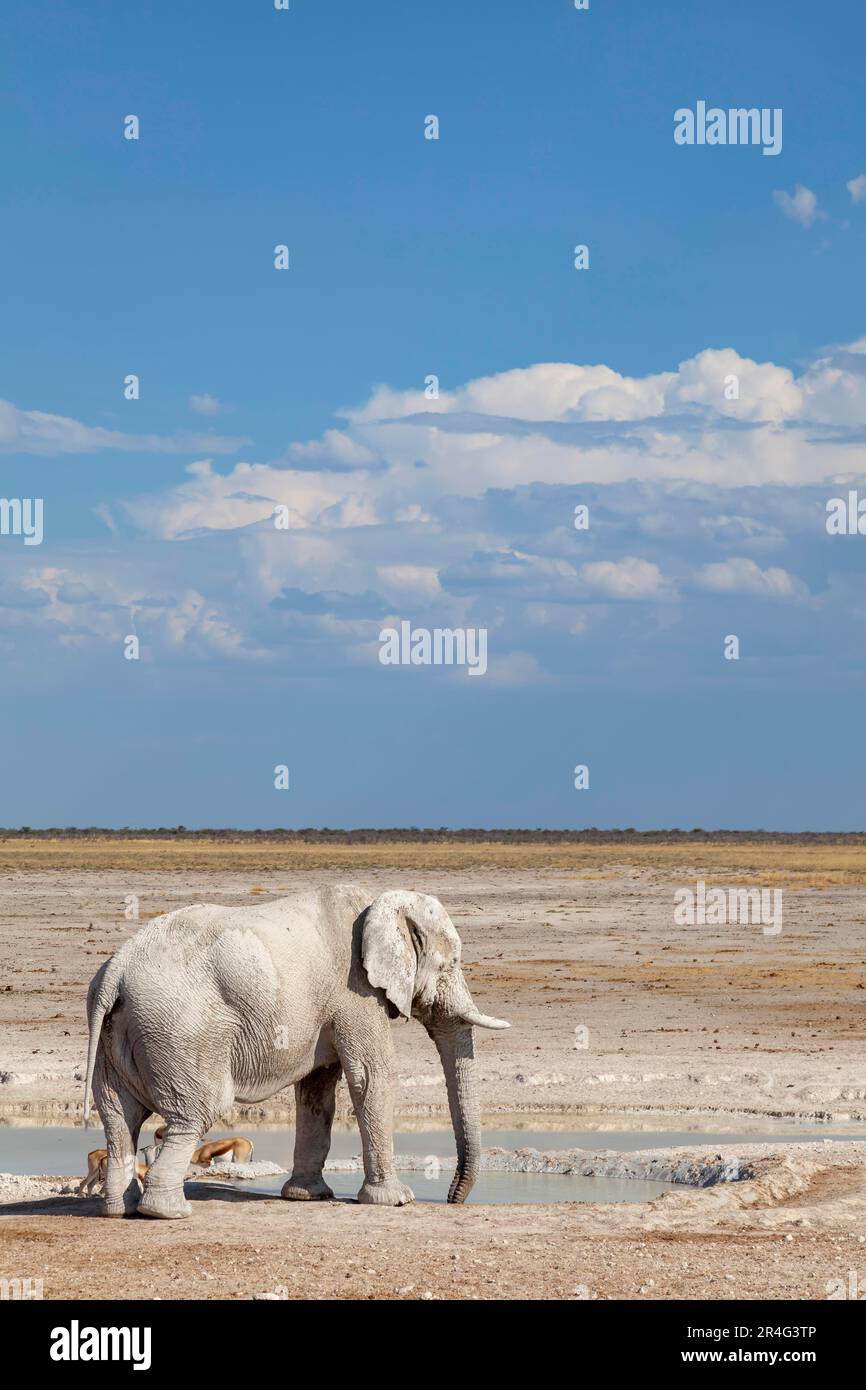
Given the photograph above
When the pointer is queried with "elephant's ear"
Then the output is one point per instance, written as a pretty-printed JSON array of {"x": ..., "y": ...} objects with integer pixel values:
[{"x": 407, "y": 940}]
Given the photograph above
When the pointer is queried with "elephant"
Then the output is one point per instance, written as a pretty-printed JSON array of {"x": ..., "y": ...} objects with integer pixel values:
[{"x": 209, "y": 1006}]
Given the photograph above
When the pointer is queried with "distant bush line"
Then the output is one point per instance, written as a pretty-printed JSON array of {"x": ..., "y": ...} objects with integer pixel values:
[{"x": 414, "y": 835}]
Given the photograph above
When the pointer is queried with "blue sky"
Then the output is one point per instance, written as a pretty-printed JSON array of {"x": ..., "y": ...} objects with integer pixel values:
[{"x": 305, "y": 389}]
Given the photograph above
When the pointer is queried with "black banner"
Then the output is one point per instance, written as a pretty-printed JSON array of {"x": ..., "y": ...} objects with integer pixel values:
[{"x": 181, "y": 1338}]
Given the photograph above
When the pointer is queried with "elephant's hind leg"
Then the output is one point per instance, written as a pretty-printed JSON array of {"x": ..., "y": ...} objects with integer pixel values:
[
  {"x": 314, "y": 1107},
  {"x": 122, "y": 1116},
  {"x": 163, "y": 1185}
]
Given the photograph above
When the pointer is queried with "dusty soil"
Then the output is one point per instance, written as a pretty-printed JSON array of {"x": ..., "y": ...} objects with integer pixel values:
[
  {"x": 711, "y": 1019},
  {"x": 795, "y": 1231}
]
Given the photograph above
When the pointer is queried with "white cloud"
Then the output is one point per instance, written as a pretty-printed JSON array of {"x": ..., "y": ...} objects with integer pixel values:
[
  {"x": 205, "y": 405},
  {"x": 335, "y": 447},
  {"x": 801, "y": 205},
  {"x": 741, "y": 576},
  {"x": 629, "y": 578},
  {"x": 464, "y": 517},
  {"x": 546, "y": 391},
  {"x": 103, "y": 511},
  {"x": 35, "y": 432},
  {"x": 763, "y": 390},
  {"x": 195, "y": 622},
  {"x": 245, "y": 496},
  {"x": 834, "y": 393},
  {"x": 857, "y": 188},
  {"x": 103, "y": 604},
  {"x": 568, "y": 424}
]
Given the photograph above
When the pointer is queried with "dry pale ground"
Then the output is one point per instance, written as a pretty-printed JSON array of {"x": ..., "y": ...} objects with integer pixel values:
[
  {"x": 680, "y": 1019},
  {"x": 794, "y": 1231}
]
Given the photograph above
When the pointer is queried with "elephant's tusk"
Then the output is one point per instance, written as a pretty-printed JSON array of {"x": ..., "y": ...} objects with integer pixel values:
[{"x": 476, "y": 1020}]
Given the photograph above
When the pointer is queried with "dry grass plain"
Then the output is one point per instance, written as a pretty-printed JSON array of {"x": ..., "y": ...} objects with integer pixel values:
[{"x": 786, "y": 864}]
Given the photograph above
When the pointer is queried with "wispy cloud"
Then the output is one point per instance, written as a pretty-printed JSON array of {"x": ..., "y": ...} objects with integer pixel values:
[
  {"x": 205, "y": 405},
  {"x": 37, "y": 432}
]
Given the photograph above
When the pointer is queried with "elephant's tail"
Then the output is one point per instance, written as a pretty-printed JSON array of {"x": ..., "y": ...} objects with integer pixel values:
[{"x": 101, "y": 999}]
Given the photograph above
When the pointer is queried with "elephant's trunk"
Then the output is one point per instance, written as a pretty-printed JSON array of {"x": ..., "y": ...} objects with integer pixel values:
[
  {"x": 451, "y": 1025},
  {"x": 455, "y": 1046}
]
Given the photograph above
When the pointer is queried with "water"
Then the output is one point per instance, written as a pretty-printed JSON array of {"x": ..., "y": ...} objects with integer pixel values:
[
  {"x": 61, "y": 1150},
  {"x": 499, "y": 1187}
]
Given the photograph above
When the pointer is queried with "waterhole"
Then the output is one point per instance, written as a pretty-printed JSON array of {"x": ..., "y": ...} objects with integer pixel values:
[{"x": 57, "y": 1150}]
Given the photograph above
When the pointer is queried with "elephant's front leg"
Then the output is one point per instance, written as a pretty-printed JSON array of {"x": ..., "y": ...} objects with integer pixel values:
[
  {"x": 315, "y": 1099},
  {"x": 371, "y": 1085}
]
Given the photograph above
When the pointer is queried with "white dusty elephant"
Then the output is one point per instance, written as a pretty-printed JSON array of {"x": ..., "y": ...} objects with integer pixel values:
[{"x": 209, "y": 1006}]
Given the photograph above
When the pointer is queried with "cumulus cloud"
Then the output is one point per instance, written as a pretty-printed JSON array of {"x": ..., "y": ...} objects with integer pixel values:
[
  {"x": 705, "y": 483},
  {"x": 722, "y": 381},
  {"x": 801, "y": 205},
  {"x": 335, "y": 450},
  {"x": 459, "y": 510},
  {"x": 740, "y": 575},
  {"x": 248, "y": 495},
  {"x": 834, "y": 388},
  {"x": 629, "y": 578},
  {"x": 546, "y": 391},
  {"x": 857, "y": 188},
  {"x": 720, "y": 418}
]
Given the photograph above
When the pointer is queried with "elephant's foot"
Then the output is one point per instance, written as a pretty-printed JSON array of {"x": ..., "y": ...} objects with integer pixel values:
[
  {"x": 306, "y": 1190},
  {"x": 166, "y": 1205},
  {"x": 390, "y": 1192},
  {"x": 124, "y": 1205}
]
